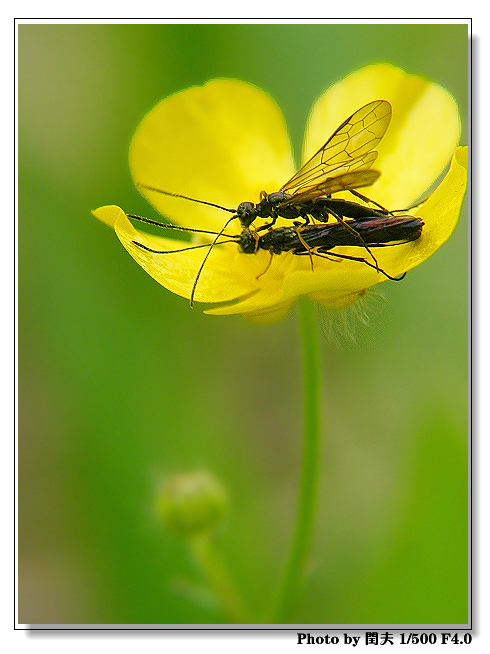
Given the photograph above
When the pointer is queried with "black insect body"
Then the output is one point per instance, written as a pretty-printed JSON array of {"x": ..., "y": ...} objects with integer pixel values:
[
  {"x": 301, "y": 239},
  {"x": 318, "y": 239}
]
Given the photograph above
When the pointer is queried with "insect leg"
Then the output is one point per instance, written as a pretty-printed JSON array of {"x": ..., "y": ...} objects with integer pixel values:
[
  {"x": 271, "y": 252},
  {"x": 360, "y": 259},
  {"x": 355, "y": 233},
  {"x": 257, "y": 240},
  {"x": 364, "y": 198},
  {"x": 304, "y": 243},
  {"x": 271, "y": 224}
]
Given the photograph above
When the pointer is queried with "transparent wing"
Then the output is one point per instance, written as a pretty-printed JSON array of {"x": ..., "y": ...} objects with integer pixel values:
[
  {"x": 344, "y": 182},
  {"x": 350, "y": 149}
]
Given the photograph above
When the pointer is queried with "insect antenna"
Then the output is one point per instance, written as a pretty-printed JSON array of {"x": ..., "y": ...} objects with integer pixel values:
[
  {"x": 231, "y": 239},
  {"x": 357, "y": 236},
  {"x": 179, "y": 227},
  {"x": 220, "y": 233},
  {"x": 184, "y": 197},
  {"x": 190, "y": 247},
  {"x": 362, "y": 260}
]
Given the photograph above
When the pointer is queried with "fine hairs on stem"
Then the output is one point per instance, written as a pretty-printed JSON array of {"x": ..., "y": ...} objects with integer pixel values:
[{"x": 339, "y": 326}]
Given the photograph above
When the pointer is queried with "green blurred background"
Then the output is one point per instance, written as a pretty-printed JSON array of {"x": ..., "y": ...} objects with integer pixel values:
[{"x": 120, "y": 383}]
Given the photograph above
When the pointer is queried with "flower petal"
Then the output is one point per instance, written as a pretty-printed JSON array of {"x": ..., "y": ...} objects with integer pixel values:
[
  {"x": 337, "y": 282},
  {"x": 256, "y": 283},
  {"x": 222, "y": 279},
  {"x": 424, "y": 131},
  {"x": 223, "y": 142},
  {"x": 440, "y": 212}
]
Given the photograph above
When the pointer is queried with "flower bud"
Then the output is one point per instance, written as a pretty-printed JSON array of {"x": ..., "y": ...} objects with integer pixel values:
[{"x": 191, "y": 503}]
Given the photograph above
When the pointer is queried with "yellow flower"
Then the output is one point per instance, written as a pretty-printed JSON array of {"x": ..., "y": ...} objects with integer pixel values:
[{"x": 226, "y": 141}]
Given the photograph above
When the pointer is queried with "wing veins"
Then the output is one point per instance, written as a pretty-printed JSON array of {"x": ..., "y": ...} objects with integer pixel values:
[{"x": 349, "y": 149}]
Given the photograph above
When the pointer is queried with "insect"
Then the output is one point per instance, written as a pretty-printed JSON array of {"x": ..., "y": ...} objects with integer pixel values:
[
  {"x": 317, "y": 239},
  {"x": 343, "y": 163}
]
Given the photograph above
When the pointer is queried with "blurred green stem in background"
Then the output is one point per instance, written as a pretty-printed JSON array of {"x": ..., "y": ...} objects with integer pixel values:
[
  {"x": 292, "y": 576},
  {"x": 220, "y": 582},
  {"x": 289, "y": 586}
]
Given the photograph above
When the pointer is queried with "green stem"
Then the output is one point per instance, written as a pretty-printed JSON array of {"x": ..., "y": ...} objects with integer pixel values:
[
  {"x": 215, "y": 572},
  {"x": 292, "y": 577}
]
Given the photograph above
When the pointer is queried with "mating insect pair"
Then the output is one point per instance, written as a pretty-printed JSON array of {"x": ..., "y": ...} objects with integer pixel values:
[
  {"x": 343, "y": 163},
  {"x": 317, "y": 239}
]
